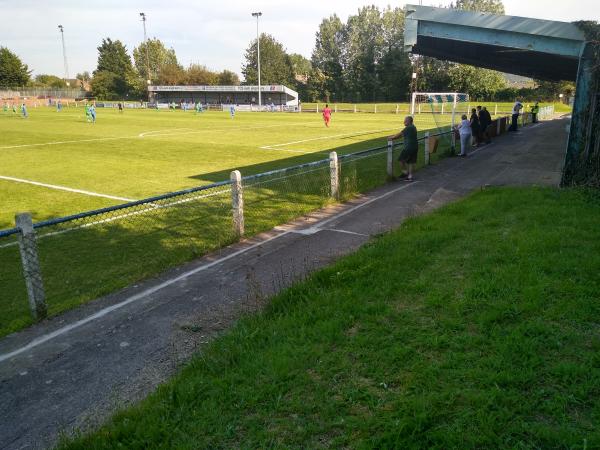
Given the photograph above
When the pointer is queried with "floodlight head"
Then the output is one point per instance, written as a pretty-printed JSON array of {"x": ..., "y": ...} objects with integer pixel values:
[
  {"x": 256, "y": 14},
  {"x": 143, "y": 16},
  {"x": 60, "y": 27}
]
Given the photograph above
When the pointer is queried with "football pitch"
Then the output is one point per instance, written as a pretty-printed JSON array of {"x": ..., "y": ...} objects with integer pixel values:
[{"x": 56, "y": 164}]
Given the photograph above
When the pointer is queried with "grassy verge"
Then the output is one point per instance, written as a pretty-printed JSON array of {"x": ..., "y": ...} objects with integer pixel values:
[{"x": 473, "y": 327}]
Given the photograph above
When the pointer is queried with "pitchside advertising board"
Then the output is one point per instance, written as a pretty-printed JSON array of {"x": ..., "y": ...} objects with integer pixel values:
[{"x": 268, "y": 88}]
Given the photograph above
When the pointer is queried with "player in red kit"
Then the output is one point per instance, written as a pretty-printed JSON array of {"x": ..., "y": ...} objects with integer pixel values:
[{"x": 327, "y": 115}]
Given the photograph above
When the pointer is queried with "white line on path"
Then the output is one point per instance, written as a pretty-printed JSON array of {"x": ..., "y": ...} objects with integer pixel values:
[
  {"x": 103, "y": 312},
  {"x": 64, "y": 188}
]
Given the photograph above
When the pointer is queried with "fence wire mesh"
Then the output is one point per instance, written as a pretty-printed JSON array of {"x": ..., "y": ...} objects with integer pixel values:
[
  {"x": 14, "y": 309},
  {"x": 119, "y": 246},
  {"x": 279, "y": 196}
]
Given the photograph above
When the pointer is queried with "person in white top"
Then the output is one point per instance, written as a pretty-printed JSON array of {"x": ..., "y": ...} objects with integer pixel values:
[
  {"x": 464, "y": 130},
  {"x": 517, "y": 107}
]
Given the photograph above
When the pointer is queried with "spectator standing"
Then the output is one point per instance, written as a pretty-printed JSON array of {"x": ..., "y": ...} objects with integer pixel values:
[
  {"x": 408, "y": 156},
  {"x": 475, "y": 127},
  {"x": 535, "y": 109},
  {"x": 517, "y": 107},
  {"x": 485, "y": 120},
  {"x": 464, "y": 131}
]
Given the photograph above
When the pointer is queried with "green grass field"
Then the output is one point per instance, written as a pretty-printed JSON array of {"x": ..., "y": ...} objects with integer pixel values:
[
  {"x": 144, "y": 153},
  {"x": 474, "y": 327}
]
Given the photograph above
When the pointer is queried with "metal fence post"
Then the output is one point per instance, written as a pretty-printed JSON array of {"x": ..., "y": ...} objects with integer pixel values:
[
  {"x": 498, "y": 123},
  {"x": 237, "y": 202},
  {"x": 390, "y": 159},
  {"x": 31, "y": 266},
  {"x": 334, "y": 174},
  {"x": 426, "y": 145}
]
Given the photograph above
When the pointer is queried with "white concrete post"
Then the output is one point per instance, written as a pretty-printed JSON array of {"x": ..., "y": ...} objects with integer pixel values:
[
  {"x": 375, "y": 111},
  {"x": 317, "y": 107},
  {"x": 335, "y": 107},
  {"x": 427, "y": 148},
  {"x": 31, "y": 266},
  {"x": 397, "y": 108},
  {"x": 390, "y": 158},
  {"x": 237, "y": 202},
  {"x": 355, "y": 108},
  {"x": 496, "y": 109},
  {"x": 334, "y": 173}
]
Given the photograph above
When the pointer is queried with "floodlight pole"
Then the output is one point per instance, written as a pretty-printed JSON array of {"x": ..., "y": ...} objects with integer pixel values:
[
  {"x": 143, "y": 15},
  {"x": 64, "y": 48},
  {"x": 257, "y": 15}
]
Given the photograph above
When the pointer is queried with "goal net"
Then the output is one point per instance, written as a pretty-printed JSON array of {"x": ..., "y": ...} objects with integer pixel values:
[{"x": 440, "y": 111}]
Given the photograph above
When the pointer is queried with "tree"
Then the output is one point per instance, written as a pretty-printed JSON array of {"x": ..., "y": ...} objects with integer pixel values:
[
  {"x": 478, "y": 83},
  {"x": 114, "y": 76},
  {"x": 328, "y": 57},
  {"x": 275, "y": 64},
  {"x": 488, "y": 6},
  {"x": 394, "y": 68},
  {"x": 158, "y": 57},
  {"x": 83, "y": 78},
  {"x": 171, "y": 75},
  {"x": 51, "y": 81},
  {"x": 113, "y": 57},
  {"x": 200, "y": 75},
  {"x": 108, "y": 85},
  {"x": 13, "y": 72},
  {"x": 228, "y": 78}
]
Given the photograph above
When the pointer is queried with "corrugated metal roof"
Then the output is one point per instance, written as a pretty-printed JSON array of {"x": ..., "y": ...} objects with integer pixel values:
[{"x": 549, "y": 28}]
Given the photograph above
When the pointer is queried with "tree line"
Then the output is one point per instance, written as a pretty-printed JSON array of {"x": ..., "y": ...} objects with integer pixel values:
[{"x": 359, "y": 60}]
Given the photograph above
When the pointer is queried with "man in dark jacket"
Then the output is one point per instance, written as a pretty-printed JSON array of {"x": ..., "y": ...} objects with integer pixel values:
[
  {"x": 485, "y": 120},
  {"x": 408, "y": 156}
]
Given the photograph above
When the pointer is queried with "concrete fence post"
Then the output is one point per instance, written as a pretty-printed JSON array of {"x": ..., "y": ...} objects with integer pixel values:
[
  {"x": 375, "y": 110},
  {"x": 317, "y": 107},
  {"x": 237, "y": 202},
  {"x": 390, "y": 159},
  {"x": 426, "y": 145},
  {"x": 354, "y": 108},
  {"x": 334, "y": 174},
  {"x": 335, "y": 107},
  {"x": 498, "y": 123},
  {"x": 442, "y": 107},
  {"x": 31, "y": 266},
  {"x": 397, "y": 108},
  {"x": 496, "y": 109}
]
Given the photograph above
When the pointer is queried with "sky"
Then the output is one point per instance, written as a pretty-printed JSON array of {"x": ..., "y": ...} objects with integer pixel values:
[{"x": 212, "y": 33}]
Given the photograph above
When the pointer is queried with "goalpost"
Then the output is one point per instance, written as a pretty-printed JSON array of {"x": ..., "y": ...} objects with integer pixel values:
[{"x": 440, "y": 103}]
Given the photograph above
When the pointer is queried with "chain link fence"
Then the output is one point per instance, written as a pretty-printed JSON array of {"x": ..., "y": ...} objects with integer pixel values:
[{"x": 64, "y": 262}]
